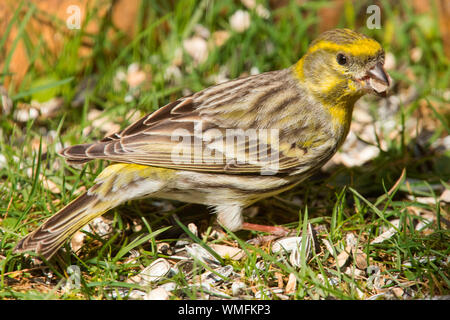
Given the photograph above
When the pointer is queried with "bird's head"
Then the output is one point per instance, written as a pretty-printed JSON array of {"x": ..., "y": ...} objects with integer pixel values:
[{"x": 342, "y": 64}]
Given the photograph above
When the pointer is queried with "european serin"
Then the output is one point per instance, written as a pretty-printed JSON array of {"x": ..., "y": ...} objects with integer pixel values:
[{"x": 229, "y": 145}]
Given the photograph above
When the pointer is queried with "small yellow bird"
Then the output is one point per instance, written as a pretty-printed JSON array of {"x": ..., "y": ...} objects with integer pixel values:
[{"x": 231, "y": 144}]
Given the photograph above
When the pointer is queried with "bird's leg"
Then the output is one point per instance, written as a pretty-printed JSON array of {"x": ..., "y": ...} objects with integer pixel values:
[{"x": 230, "y": 216}]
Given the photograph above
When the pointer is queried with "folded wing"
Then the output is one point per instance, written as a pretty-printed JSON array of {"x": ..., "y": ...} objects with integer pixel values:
[{"x": 181, "y": 136}]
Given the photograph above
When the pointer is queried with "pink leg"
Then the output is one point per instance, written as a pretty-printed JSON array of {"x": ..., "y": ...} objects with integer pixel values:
[{"x": 280, "y": 231}]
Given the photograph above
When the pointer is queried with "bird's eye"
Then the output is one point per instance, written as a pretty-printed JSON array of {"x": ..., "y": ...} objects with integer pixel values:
[{"x": 341, "y": 59}]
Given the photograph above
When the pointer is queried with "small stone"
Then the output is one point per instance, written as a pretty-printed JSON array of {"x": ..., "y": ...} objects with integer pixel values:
[
  {"x": 398, "y": 292},
  {"x": 136, "y": 78},
  {"x": 240, "y": 21},
  {"x": 23, "y": 115},
  {"x": 254, "y": 71},
  {"x": 250, "y": 4},
  {"x": 262, "y": 11},
  {"x": 389, "y": 61},
  {"x": 197, "y": 48},
  {"x": 445, "y": 196},
  {"x": 193, "y": 228},
  {"x": 98, "y": 121},
  {"x": 342, "y": 258},
  {"x": 169, "y": 286},
  {"x": 201, "y": 31},
  {"x": 353, "y": 272},
  {"x": 237, "y": 287},
  {"x": 157, "y": 294},
  {"x": 416, "y": 54},
  {"x": 77, "y": 241},
  {"x": 3, "y": 162},
  {"x": 102, "y": 225}
]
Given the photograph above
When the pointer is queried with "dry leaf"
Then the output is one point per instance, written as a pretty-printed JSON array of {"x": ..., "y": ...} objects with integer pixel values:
[
  {"x": 360, "y": 259},
  {"x": 220, "y": 37},
  {"x": 387, "y": 234}
]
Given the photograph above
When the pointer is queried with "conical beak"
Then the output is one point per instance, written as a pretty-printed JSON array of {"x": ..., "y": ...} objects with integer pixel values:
[
  {"x": 379, "y": 74},
  {"x": 378, "y": 79}
]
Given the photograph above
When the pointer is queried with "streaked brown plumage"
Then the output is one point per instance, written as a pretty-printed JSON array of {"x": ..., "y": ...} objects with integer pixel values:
[
  {"x": 210, "y": 109},
  {"x": 308, "y": 107}
]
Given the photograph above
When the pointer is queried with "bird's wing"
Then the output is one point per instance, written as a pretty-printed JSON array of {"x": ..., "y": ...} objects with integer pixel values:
[{"x": 190, "y": 134}]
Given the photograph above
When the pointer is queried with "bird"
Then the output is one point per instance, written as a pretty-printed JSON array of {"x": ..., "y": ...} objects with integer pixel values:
[{"x": 231, "y": 144}]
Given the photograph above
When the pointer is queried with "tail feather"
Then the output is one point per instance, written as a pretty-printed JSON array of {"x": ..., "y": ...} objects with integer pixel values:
[
  {"x": 115, "y": 184},
  {"x": 51, "y": 235}
]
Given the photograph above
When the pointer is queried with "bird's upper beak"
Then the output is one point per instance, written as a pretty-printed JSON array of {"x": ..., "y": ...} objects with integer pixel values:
[{"x": 378, "y": 79}]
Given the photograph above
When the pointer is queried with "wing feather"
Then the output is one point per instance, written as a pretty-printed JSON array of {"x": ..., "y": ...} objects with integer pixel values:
[{"x": 186, "y": 134}]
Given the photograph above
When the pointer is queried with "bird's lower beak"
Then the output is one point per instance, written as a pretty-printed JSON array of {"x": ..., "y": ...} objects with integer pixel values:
[{"x": 378, "y": 79}]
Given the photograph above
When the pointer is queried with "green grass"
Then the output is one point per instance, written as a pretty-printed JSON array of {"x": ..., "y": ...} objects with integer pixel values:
[{"x": 358, "y": 200}]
